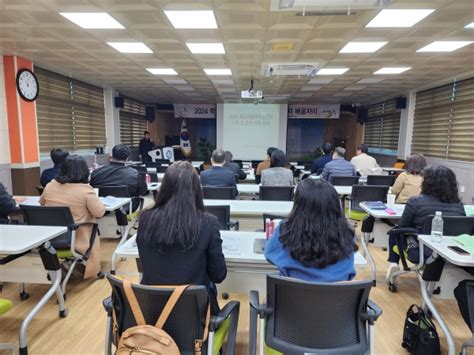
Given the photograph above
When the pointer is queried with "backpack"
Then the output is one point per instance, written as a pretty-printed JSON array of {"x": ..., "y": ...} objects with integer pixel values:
[
  {"x": 419, "y": 334},
  {"x": 149, "y": 339}
]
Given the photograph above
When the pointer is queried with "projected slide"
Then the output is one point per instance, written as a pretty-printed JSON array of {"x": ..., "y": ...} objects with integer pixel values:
[{"x": 248, "y": 129}]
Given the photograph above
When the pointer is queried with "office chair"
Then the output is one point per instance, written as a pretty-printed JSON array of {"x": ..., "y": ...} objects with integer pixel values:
[
  {"x": 163, "y": 161},
  {"x": 219, "y": 193},
  {"x": 302, "y": 317},
  {"x": 64, "y": 244},
  {"x": 270, "y": 216},
  {"x": 186, "y": 321},
  {"x": 255, "y": 163},
  {"x": 152, "y": 164},
  {"x": 452, "y": 226},
  {"x": 364, "y": 193},
  {"x": 387, "y": 180},
  {"x": 344, "y": 180},
  {"x": 258, "y": 179},
  {"x": 223, "y": 217},
  {"x": 469, "y": 315},
  {"x": 276, "y": 193},
  {"x": 40, "y": 189},
  {"x": 5, "y": 306}
]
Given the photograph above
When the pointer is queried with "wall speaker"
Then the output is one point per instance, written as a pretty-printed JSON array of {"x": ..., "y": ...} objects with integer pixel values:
[
  {"x": 119, "y": 102},
  {"x": 401, "y": 103},
  {"x": 150, "y": 113},
  {"x": 362, "y": 115}
]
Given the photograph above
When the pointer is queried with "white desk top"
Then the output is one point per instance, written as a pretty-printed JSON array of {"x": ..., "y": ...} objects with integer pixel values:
[
  {"x": 253, "y": 208},
  {"x": 119, "y": 202},
  {"x": 382, "y": 214},
  {"x": 237, "y": 247},
  {"x": 16, "y": 239},
  {"x": 443, "y": 251}
]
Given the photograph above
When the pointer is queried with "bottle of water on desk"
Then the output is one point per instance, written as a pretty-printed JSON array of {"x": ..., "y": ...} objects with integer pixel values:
[{"x": 437, "y": 228}]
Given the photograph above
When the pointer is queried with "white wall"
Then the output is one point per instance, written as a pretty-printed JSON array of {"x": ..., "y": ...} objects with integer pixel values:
[
  {"x": 112, "y": 120},
  {"x": 5, "y": 172}
]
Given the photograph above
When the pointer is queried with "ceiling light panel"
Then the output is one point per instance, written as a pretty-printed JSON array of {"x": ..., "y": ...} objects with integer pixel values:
[
  {"x": 192, "y": 19},
  {"x": 218, "y": 71},
  {"x": 399, "y": 17},
  {"x": 162, "y": 71},
  {"x": 362, "y": 47},
  {"x": 444, "y": 46},
  {"x": 470, "y": 25},
  {"x": 392, "y": 70},
  {"x": 92, "y": 20},
  {"x": 130, "y": 47},
  {"x": 206, "y": 48},
  {"x": 332, "y": 71}
]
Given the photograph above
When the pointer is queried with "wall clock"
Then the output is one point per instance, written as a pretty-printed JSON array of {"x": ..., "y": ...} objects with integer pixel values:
[{"x": 27, "y": 84}]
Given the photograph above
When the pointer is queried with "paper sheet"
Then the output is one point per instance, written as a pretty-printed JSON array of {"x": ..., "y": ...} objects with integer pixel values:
[
  {"x": 465, "y": 242},
  {"x": 469, "y": 210},
  {"x": 231, "y": 245}
]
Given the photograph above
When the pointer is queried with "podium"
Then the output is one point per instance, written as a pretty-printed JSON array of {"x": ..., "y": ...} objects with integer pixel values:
[{"x": 155, "y": 154}]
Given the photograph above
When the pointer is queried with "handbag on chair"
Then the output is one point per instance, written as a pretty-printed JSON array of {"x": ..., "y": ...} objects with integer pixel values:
[{"x": 419, "y": 334}]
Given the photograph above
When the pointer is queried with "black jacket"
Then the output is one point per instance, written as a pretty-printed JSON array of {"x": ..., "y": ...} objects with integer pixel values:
[
  {"x": 49, "y": 174},
  {"x": 204, "y": 264},
  {"x": 235, "y": 168},
  {"x": 7, "y": 203},
  {"x": 421, "y": 206},
  {"x": 144, "y": 147},
  {"x": 116, "y": 174},
  {"x": 218, "y": 176}
]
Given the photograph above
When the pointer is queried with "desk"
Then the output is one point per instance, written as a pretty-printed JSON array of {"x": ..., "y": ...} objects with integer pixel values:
[
  {"x": 253, "y": 208},
  {"x": 454, "y": 258},
  {"x": 17, "y": 240},
  {"x": 246, "y": 270}
]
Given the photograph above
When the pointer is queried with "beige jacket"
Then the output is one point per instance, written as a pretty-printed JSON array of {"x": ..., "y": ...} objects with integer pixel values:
[
  {"x": 406, "y": 186},
  {"x": 85, "y": 206}
]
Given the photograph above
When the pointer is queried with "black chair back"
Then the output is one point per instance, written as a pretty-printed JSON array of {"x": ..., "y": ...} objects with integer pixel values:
[
  {"x": 238, "y": 162},
  {"x": 255, "y": 163},
  {"x": 366, "y": 193},
  {"x": 258, "y": 179},
  {"x": 276, "y": 193},
  {"x": 316, "y": 317},
  {"x": 50, "y": 216},
  {"x": 163, "y": 161},
  {"x": 387, "y": 180},
  {"x": 271, "y": 217},
  {"x": 223, "y": 215},
  {"x": 185, "y": 323},
  {"x": 115, "y": 191},
  {"x": 152, "y": 164},
  {"x": 140, "y": 168},
  {"x": 344, "y": 180},
  {"x": 219, "y": 193},
  {"x": 161, "y": 169},
  {"x": 452, "y": 225}
]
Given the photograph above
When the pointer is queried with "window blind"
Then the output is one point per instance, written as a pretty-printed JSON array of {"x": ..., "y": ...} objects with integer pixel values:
[
  {"x": 444, "y": 117},
  {"x": 70, "y": 113},
  {"x": 132, "y": 122},
  {"x": 382, "y": 128}
]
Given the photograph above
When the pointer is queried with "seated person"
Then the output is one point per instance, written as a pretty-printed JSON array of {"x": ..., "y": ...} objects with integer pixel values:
[
  {"x": 408, "y": 183},
  {"x": 177, "y": 241},
  {"x": 320, "y": 163},
  {"x": 234, "y": 167},
  {"x": 117, "y": 174},
  {"x": 278, "y": 174},
  {"x": 218, "y": 176},
  {"x": 58, "y": 156},
  {"x": 364, "y": 163},
  {"x": 265, "y": 164},
  {"x": 7, "y": 204},
  {"x": 316, "y": 242},
  {"x": 338, "y": 166},
  {"x": 71, "y": 188},
  {"x": 206, "y": 164},
  {"x": 439, "y": 192}
]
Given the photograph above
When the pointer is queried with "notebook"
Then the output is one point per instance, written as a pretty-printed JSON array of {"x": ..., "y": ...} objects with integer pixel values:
[
  {"x": 376, "y": 205},
  {"x": 465, "y": 241}
]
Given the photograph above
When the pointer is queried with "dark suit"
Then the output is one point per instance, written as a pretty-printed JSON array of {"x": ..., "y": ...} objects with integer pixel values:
[
  {"x": 7, "y": 203},
  {"x": 218, "y": 176},
  {"x": 144, "y": 147},
  {"x": 49, "y": 174},
  {"x": 235, "y": 168},
  {"x": 203, "y": 264}
]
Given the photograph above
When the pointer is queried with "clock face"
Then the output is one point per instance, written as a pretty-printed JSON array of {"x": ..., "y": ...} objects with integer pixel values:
[{"x": 27, "y": 85}]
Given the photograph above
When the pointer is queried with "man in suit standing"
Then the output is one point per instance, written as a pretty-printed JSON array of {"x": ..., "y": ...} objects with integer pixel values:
[
  {"x": 218, "y": 175},
  {"x": 146, "y": 144}
]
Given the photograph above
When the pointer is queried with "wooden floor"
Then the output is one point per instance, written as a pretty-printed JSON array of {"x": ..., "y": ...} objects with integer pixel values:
[{"x": 82, "y": 332}]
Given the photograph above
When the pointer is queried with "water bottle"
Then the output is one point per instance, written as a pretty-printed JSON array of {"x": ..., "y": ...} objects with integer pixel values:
[
  {"x": 269, "y": 227},
  {"x": 147, "y": 179},
  {"x": 437, "y": 228}
]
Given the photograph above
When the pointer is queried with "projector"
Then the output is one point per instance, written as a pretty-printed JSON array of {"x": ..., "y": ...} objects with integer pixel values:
[{"x": 251, "y": 94}]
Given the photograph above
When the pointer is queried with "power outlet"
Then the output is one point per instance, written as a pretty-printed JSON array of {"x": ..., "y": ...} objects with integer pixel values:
[{"x": 462, "y": 189}]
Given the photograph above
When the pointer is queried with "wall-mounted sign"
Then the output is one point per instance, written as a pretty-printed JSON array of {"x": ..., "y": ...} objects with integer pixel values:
[
  {"x": 314, "y": 111},
  {"x": 194, "y": 111}
]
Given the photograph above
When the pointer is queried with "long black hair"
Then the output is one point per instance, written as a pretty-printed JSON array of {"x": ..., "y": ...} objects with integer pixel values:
[
  {"x": 440, "y": 182},
  {"x": 74, "y": 170},
  {"x": 316, "y": 233},
  {"x": 174, "y": 222}
]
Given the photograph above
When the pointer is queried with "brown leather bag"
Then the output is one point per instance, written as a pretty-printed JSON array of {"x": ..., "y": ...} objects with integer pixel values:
[{"x": 148, "y": 339}]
